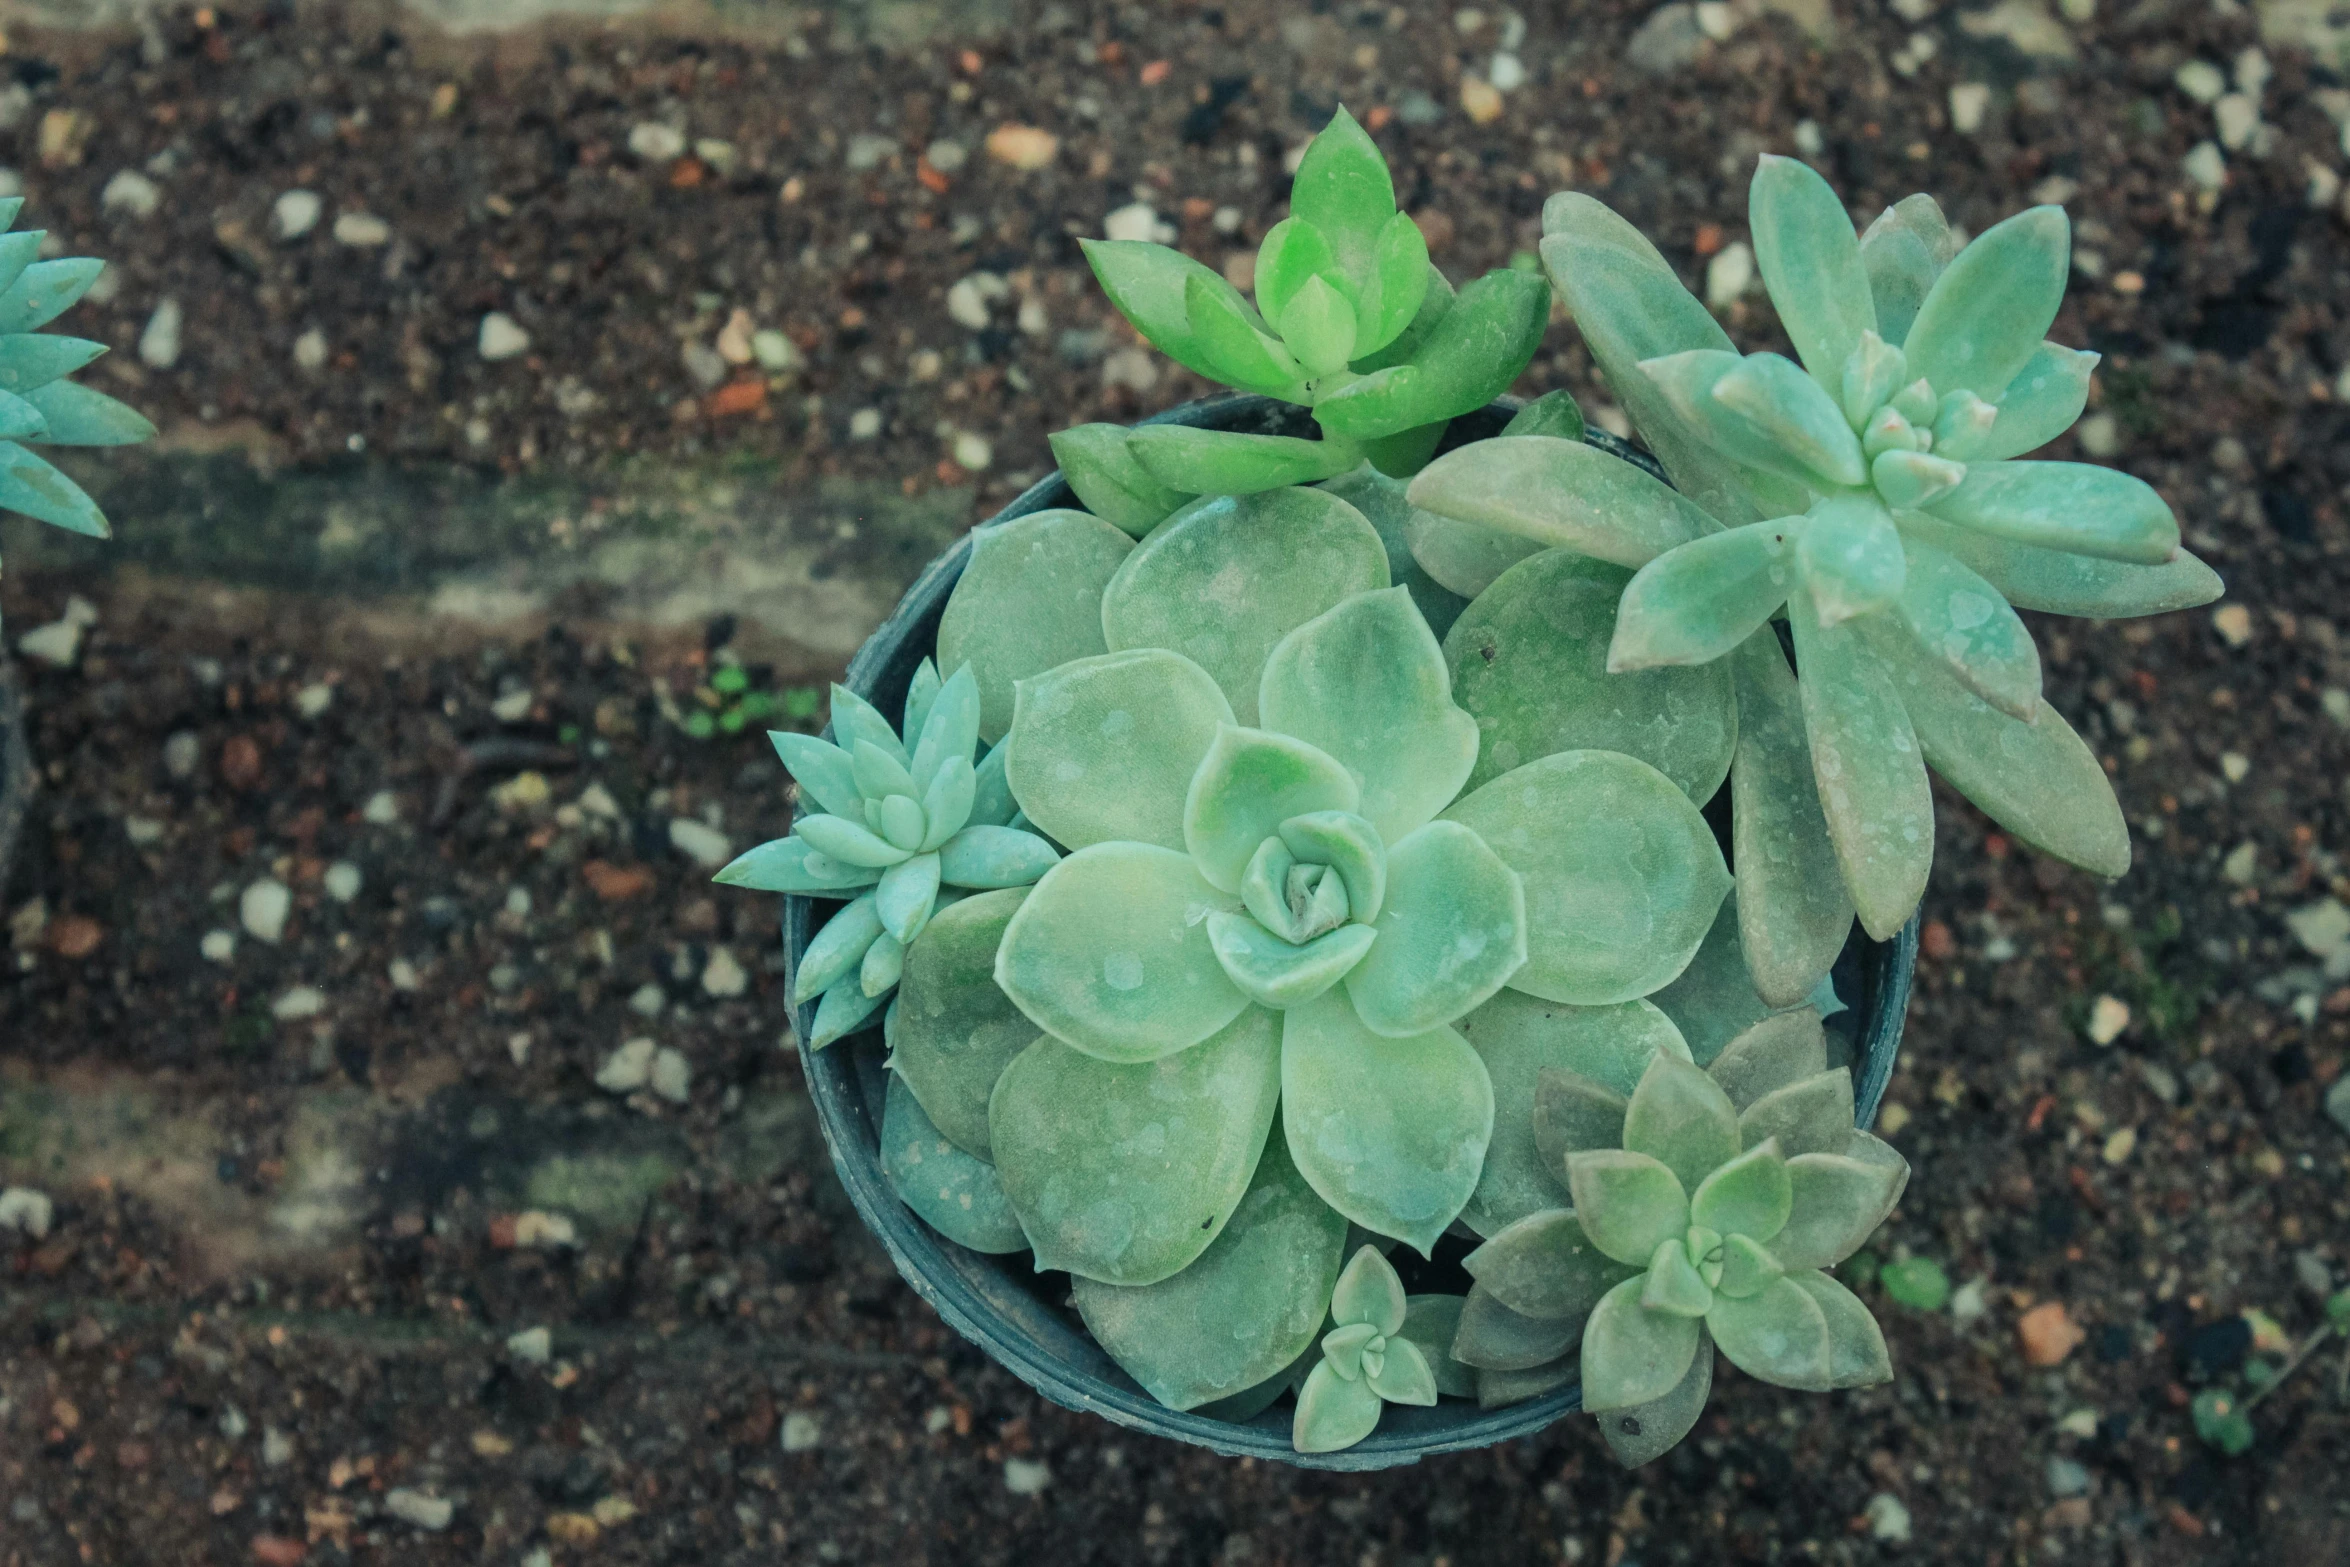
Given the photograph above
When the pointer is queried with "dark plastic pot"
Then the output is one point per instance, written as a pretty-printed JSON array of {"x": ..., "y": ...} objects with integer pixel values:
[
  {"x": 1021, "y": 1317},
  {"x": 16, "y": 767}
]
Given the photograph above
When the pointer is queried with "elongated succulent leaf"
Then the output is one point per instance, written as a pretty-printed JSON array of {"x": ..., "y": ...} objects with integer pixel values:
[
  {"x": 29, "y": 360},
  {"x": 1622, "y": 875},
  {"x": 1471, "y": 355},
  {"x": 1779, "y": 1336},
  {"x": 1633, "y": 1356},
  {"x": 30, "y": 485},
  {"x": 1431, "y": 1323},
  {"x": 1249, "y": 1306},
  {"x": 1150, "y": 285},
  {"x": 1714, "y": 1000},
  {"x": 1749, "y": 1195},
  {"x": 78, "y": 415},
  {"x": 1292, "y": 251},
  {"x": 1451, "y": 932},
  {"x": 906, "y": 894},
  {"x": 837, "y": 949},
  {"x": 1695, "y": 603},
  {"x": 1560, "y": 494},
  {"x": 1492, "y": 1337},
  {"x": 1794, "y": 911},
  {"x": 2077, "y": 507},
  {"x": 1767, "y": 405},
  {"x": 1903, "y": 252},
  {"x": 2059, "y": 582},
  {"x": 1529, "y": 661},
  {"x": 847, "y": 1007},
  {"x": 2040, "y": 404},
  {"x": 1543, "y": 1266},
  {"x": 1111, "y": 954},
  {"x": 1463, "y": 557},
  {"x": 795, "y": 865},
  {"x": 1223, "y": 462},
  {"x": 1319, "y": 329},
  {"x": 1103, "y": 749},
  {"x": 1680, "y": 1117},
  {"x": 1115, "y": 487},
  {"x": 1436, "y": 301},
  {"x": 955, "y": 1194},
  {"x": 1991, "y": 307},
  {"x": 1126, "y": 1173},
  {"x": 1225, "y": 579},
  {"x": 1343, "y": 188},
  {"x": 1030, "y": 600},
  {"x": 1809, "y": 256},
  {"x": 851, "y": 843},
  {"x": 1390, "y": 1132},
  {"x": 1639, "y": 1433},
  {"x": 46, "y": 290},
  {"x": 1500, "y": 1389},
  {"x": 1960, "y": 621},
  {"x": 990, "y": 857},
  {"x": 1381, "y": 501},
  {"x": 1367, "y": 683},
  {"x": 953, "y": 1030},
  {"x": 18, "y": 250},
  {"x": 1400, "y": 266},
  {"x": 1850, "y": 557}
]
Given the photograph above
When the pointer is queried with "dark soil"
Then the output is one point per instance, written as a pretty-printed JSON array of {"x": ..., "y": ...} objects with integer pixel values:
[{"x": 189, "y": 1301}]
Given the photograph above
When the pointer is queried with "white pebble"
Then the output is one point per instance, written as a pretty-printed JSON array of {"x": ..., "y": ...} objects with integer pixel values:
[
  {"x": 131, "y": 192},
  {"x": 535, "y": 1345},
  {"x": 722, "y": 976},
  {"x": 1969, "y": 103},
  {"x": 277, "y": 1448},
  {"x": 310, "y": 350},
  {"x": 361, "y": 230},
  {"x": 802, "y": 1432},
  {"x": 1729, "y": 274},
  {"x": 513, "y": 707},
  {"x": 1026, "y": 1477},
  {"x": 295, "y": 214},
  {"x": 414, "y": 1507},
  {"x": 626, "y": 1070},
  {"x": 181, "y": 754},
  {"x": 2235, "y": 764},
  {"x": 864, "y": 424},
  {"x": 1138, "y": 221},
  {"x": 597, "y": 800},
  {"x": 2108, "y": 1016},
  {"x": 1888, "y": 1518},
  {"x": 143, "y": 830},
  {"x": 2205, "y": 167},
  {"x": 342, "y": 881},
  {"x": 159, "y": 342},
  {"x": 26, "y": 1211},
  {"x": 973, "y": 451},
  {"x": 2100, "y": 435},
  {"x": 314, "y": 699},
  {"x": 382, "y": 809},
  {"x": 263, "y": 907},
  {"x": 403, "y": 975},
  {"x": 656, "y": 143},
  {"x": 1808, "y": 138},
  {"x": 775, "y": 352},
  {"x": 705, "y": 846},
  {"x": 947, "y": 156},
  {"x": 298, "y": 1003},
  {"x": 502, "y": 337},
  {"x": 672, "y": 1076},
  {"x": 218, "y": 946},
  {"x": 968, "y": 298},
  {"x": 1508, "y": 72},
  {"x": 647, "y": 1001},
  {"x": 2200, "y": 80},
  {"x": 2236, "y": 116}
]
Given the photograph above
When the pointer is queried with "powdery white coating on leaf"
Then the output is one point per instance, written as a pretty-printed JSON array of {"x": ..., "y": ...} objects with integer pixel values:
[
  {"x": 1029, "y": 600},
  {"x": 1992, "y": 306},
  {"x": 1810, "y": 260},
  {"x": 2071, "y": 506},
  {"x": 1838, "y": 1202},
  {"x": 2039, "y": 405},
  {"x": 1961, "y": 621},
  {"x": 1529, "y": 661},
  {"x": 1794, "y": 911},
  {"x": 1464, "y": 557},
  {"x": 1870, "y": 773},
  {"x": 1103, "y": 750},
  {"x": 1681, "y": 1118},
  {"x": 953, "y": 1030},
  {"x": 955, "y": 1194},
  {"x": 1558, "y": 494},
  {"x": 1366, "y": 682},
  {"x": 1452, "y": 931},
  {"x": 1857, "y": 1356},
  {"x": 1622, "y": 875},
  {"x": 1903, "y": 251},
  {"x": 1391, "y": 1132},
  {"x": 1127, "y": 1173},
  {"x": 1693, "y": 604},
  {"x": 1111, "y": 954},
  {"x": 2058, "y": 582},
  {"x": 1632, "y": 1355},
  {"x": 1227, "y": 577},
  {"x": 1517, "y": 1036},
  {"x": 1249, "y": 1306}
]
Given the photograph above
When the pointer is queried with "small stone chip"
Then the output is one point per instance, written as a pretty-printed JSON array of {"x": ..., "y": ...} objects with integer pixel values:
[
  {"x": 2048, "y": 1334},
  {"x": 29, "y": 1212},
  {"x": 2108, "y": 1016},
  {"x": 627, "y": 1069},
  {"x": 1026, "y": 1477},
  {"x": 1888, "y": 1518},
  {"x": 2233, "y": 622},
  {"x": 425, "y": 1512},
  {"x": 802, "y": 1431},
  {"x": 534, "y": 1345},
  {"x": 1023, "y": 147}
]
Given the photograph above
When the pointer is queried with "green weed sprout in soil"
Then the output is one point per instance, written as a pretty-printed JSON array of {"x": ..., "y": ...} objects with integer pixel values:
[{"x": 1345, "y": 883}]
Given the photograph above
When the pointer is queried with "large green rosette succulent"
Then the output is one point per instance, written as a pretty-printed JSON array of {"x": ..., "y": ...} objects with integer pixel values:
[
  {"x": 1705, "y": 1206},
  {"x": 1350, "y": 320},
  {"x": 912, "y": 825}
]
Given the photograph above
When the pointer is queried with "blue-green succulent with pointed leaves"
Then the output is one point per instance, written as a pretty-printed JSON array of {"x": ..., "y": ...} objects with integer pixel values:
[
  {"x": 1367, "y": 1360},
  {"x": 898, "y": 829},
  {"x": 1874, "y": 494},
  {"x": 38, "y": 405},
  {"x": 1350, "y": 320},
  {"x": 1706, "y": 1206}
]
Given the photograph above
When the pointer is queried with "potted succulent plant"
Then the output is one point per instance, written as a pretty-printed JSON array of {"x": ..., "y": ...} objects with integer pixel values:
[
  {"x": 39, "y": 406},
  {"x": 1333, "y": 908}
]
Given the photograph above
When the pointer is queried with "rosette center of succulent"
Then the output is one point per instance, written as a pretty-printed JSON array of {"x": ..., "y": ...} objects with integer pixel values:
[
  {"x": 1311, "y": 891},
  {"x": 1915, "y": 439}
]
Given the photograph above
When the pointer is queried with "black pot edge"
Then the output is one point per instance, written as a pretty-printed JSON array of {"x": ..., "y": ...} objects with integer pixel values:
[{"x": 927, "y": 1261}]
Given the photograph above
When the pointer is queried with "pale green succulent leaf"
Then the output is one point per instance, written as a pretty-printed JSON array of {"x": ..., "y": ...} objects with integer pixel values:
[
  {"x": 1792, "y": 415},
  {"x": 1500, "y": 1389},
  {"x": 1961, "y": 621},
  {"x": 1103, "y": 749},
  {"x": 953, "y": 1030},
  {"x": 1672, "y": 1285},
  {"x": 1463, "y": 557},
  {"x": 1910, "y": 480},
  {"x": 1553, "y": 414},
  {"x": 1837, "y": 1202},
  {"x": 1524, "y": 1041},
  {"x": 1639, "y": 1433},
  {"x": 1873, "y": 371},
  {"x": 1991, "y": 307},
  {"x": 1111, "y": 954},
  {"x": 1492, "y": 1337},
  {"x": 1857, "y": 1356},
  {"x": 46, "y": 290},
  {"x": 1431, "y": 1323},
  {"x": 1695, "y": 603},
  {"x": 1366, "y": 682},
  {"x": 1543, "y": 1266},
  {"x": 1151, "y": 284},
  {"x": 1631, "y": 1355},
  {"x": 1369, "y": 1294},
  {"x": 1333, "y": 1413},
  {"x": 1238, "y": 349},
  {"x": 1869, "y": 769},
  {"x": 28, "y": 484},
  {"x": 1903, "y": 252},
  {"x": 2038, "y": 780},
  {"x": 856, "y": 720},
  {"x": 880, "y": 773},
  {"x": 1749, "y": 1195},
  {"x": 849, "y": 842},
  {"x": 1275, "y": 973},
  {"x": 906, "y": 895},
  {"x": 1391, "y": 1132},
  {"x": 1225, "y": 579},
  {"x": 837, "y": 949},
  {"x": 2077, "y": 507},
  {"x": 1810, "y": 1115},
  {"x": 1622, "y": 875},
  {"x": 1126, "y": 1172},
  {"x": 1223, "y": 462},
  {"x": 1349, "y": 845},
  {"x": 1530, "y": 662},
  {"x": 992, "y": 804},
  {"x": 1248, "y": 784},
  {"x": 1470, "y": 357},
  {"x": 795, "y": 865},
  {"x": 1562, "y": 495},
  {"x": 921, "y": 695},
  {"x": 1573, "y": 1114},
  {"x": 823, "y": 772},
  {"x": 1451, "y": 932},
  {"x": 19, "y": 419},
  {"x": 1381, "y": 501},
  {"x": 1109, "y": 481},
  {"x": 1030, "y": 600},
  {"x": 2058, "y": 582},
  {"x": 847, "y": 1007},
  {"x": 948, "y": 732},
  {"x": 1342, "y": 187},
  {"x": 1629, "y": 1203},
  {"x": 1241, "y": 1314},
  {"x": 1400, "y": 267},
  {"x": 946, "y": 804},
  {"x": 1794, "y": 911},
  {"x": 1783, "y": 1049},
  {"x": 1292, "y": 251},
  {"x": 1747, "y": 1267},
  {"x": 1809, "y": 257},
  {"x": 952, "y": 1192},
  {"x": 1318, "y": 327},
  {"x": 1405, "y": 1377},
  {"x": 901, "y": 822},
  {"x": 1436, "y": 301},
  {"x": 991, "y": 857},
  {"x": 1714, "y": 998},
  {"x": 1680, "y": 1117},
  {"x": 884, "y": 963},
  {"x": 18, "y": 250},
  {"x": 1850, "y": 557},
  {"x": 77, "y": 415},
  {"x": 1778, "y": 1335},
  {"x": 2039, "y": 405}
]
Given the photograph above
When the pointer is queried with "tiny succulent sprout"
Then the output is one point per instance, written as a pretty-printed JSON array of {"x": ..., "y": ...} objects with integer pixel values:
[
  {"x": 895, "y": 831},
  {"x": 1367, "y": 1361},
  {"x": 1350, "y": 319},
  {"x": 38, "y": 405},
  {"x": 1707, "y": 1204}
]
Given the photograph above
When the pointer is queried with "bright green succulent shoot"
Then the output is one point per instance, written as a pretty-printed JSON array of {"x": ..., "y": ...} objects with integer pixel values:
[
  {"x": 1367, "y": 1360},
  {"x": 1707, "y": 1204},
  {"x": 910, "y": 825},
  {"x": 1350, "y": 320},
  {"x": 37, "y": 404}
]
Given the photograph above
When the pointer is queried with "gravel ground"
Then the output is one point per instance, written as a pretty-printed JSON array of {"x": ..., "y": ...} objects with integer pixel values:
[{"x": 320, "y": 1160}]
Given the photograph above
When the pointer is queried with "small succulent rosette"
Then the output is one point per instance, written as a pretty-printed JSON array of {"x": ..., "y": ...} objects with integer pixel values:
[
  {"x": 898, "y": 832},
  {"x": 1873, "y": 494},
  {"x": 1706, "y": 1205},
  {"x": 1350, "y": 320}
]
